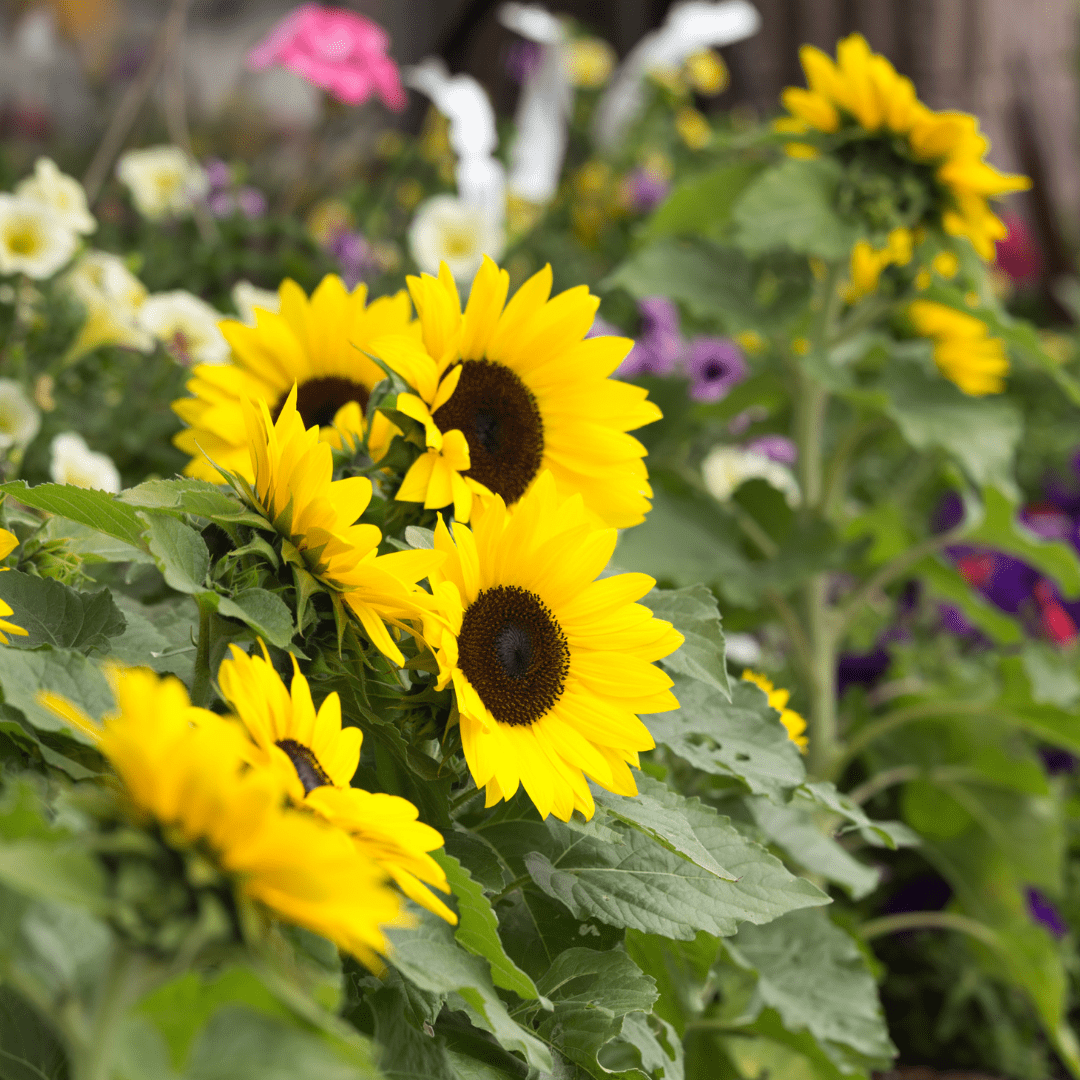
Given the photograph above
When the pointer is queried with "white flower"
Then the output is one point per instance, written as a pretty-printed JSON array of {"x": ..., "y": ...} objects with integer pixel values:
[
  {"x": 448, "y": 229},
  {"x": 742, "y": 649},
  {"x": 186, "y": 326},
  {"x": 726, "y": 468},
  {"x": 688, "y": 28},
  {"x": 33, "y": 241},
  {"x": 112, "y": 296},
  {"x": 481, "y": 179},
  {"x": 62, "y": 194},
  {"x": 19, "y": 419},
  {"x": 543, "y": 113},
  {"x": 163, "y": 181},
  {"x": 74, "y": 463},
  {"x": 247, "y": 297}
]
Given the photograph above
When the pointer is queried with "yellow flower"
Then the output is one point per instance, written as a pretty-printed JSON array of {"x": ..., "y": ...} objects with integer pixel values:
[
  {"x": 946, "y": 264},
  {"x": 293, "y": 488},
  {"x": 692, "y": 127},
  {"x": 315, "y": 759},
  {"x": 778, "y": 700},
  {"x": 868, "y": 263},
  {"x": 316, "y": 344},
  {"x": 861, "y": 96},
  {"x": 589, "y": 62},
  {"x": 185, "y": 769},
  {"x": 524, "y": 391},
  {"x": 751, "y": 341},
  {"x": 707, "y": 73},
  {"x": 964, "y": 351},
  {"x": 550, "y": 667},
  {"x": 8, "y": 543}
]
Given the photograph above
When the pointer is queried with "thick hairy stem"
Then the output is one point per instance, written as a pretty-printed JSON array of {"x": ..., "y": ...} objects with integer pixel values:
[
  {"x": 823, "y": 748},
  {"x": 200, "y": 679},
  {"x": 929, "y": 920}
]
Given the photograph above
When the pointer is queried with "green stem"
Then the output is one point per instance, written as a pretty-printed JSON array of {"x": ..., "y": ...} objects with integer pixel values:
[
  {"x": 883, "y": 780},
  {"x": 929, "y": 920},
  {"x": 200, "y": 679},
  {"x": 823, "y": 749},
  {"x": 92, "y": 1058}
]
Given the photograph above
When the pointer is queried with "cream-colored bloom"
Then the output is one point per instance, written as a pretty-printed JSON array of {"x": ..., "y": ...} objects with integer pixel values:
[
  {"x": 19, "y": 419},
  {"x": 448, "y": 229},
  {"x": 247, "y": 297},
  {"x": 726, "y": 468},
  {"x": 33, "y": 240},
  {"x": 163, "y": 181},
  {"x": 186, "y": 326},
  {"x": 63, "y": 195},
  {"x": 112, "y": 296},
  {"x": 74, "y": 463}
]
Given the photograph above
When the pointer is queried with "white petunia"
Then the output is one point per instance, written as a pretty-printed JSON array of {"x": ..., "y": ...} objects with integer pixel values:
[
  {"x": 448, "y": 229},
  {"x": 163, "y": 181},
  {"x": 481, "y": 179},
  {"x": 74, "y": 463},
  {"x": 544, "y": 108},
  {"x": 726, "y": 468},
  {"x": 247, "y": 297},
  {"x": 62, "y": 194},
  {"x": 33, "y": 240},
  {"x": 186, "y": 326},
  {"x": 112, "y": 296},
  {"x": 20, "y": 420},
  {"x": 688, "y": 28}
]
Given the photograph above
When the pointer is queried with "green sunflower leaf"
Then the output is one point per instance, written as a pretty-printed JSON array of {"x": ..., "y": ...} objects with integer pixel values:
[
  {"x": 702, "y": 204},
  {"x": 478, "y": 929},
  {"x": 741, "y": 738},
  {"x": 97, "y": 509},
  {"x": 693, "y": 611},
  {"x": 817, "y": 979},
  {"x": 594, "y": 993},
  {"x": 55, "y": 614},
  {"x": 640, "y": 884},
  {"x": 199, "y": 497},
  {"x": 429, "y": 956},
  {"x": 179, "y": 551},
  {"x": 265, "y": 612}
]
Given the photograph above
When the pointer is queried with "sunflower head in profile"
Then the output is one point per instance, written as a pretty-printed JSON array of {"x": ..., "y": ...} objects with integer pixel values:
[
  {"x": 315, "y": 344},
  {"x": 778, "y": 700},
  {"x": 292, "y": 486},
  {"x": 315, "y": 758},
  {"x": 507, "y": 391},
  {"x": 186, "y": 772},
  {"x": 906, "y": 165},
  {"x": 550, "y": 667}
]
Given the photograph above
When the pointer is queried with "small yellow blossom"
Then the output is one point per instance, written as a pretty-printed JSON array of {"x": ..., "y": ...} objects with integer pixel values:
[
  {"x": 800, "y": 346},
  {"x": 707, "y": 73},
  {"x": 946, "y": 264},
  {"x": 964, "y": 351},
  {"x": 867, "y": 263},
  {"x": 750, "y": 341},
  {"x": 590, "y": 62},
  {"x": 693, "y": 128},
  {"x": 778, "y": 699}
]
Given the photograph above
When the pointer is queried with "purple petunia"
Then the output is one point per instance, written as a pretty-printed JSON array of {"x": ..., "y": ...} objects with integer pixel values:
[
  {"x": 1043, "y": 911},
  {"x": 776, "y": 448},
  {"x": 659, "y": 346},
  {"x": 715, "y": 365}
]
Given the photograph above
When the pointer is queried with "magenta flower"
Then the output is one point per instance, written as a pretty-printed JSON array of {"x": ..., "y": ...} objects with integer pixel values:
[
  {"x": 335, "y": 49},
  {"x": 1018, "y": 255},
  {"x": 714, "y": 365},
  {"x": 777, "y": 448},
  {"x": 660, "y": 345}
]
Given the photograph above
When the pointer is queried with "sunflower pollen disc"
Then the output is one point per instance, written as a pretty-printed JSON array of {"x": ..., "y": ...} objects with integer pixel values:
[
  {"x": 501, "y": 422},
  {"x": 514, "y": 654},
  {"x": 318, "y": 400},
  {"x": 311, "y": 773}
]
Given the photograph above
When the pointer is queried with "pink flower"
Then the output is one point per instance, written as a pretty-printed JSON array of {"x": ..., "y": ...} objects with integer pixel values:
[
  {"x": 335, "y": 49},
  {"x": 1018, "y": 255}
]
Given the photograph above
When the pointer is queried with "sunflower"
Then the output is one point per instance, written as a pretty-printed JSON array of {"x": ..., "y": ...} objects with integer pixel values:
[
  {"x": 526, "y": 391},
  {"x": 315, "y": 758},
  {"x": 314, "y": 344},
  {"x": 549, "y": 666},
  {"x": 185, "y": 770},
  {"x": 964, "y": 351},
  {"x": 778, "y": 700},
  {"x": 8, "y": 543},
  {"x": 866, "y": 112},
  {"x": 292, "y": 486}
]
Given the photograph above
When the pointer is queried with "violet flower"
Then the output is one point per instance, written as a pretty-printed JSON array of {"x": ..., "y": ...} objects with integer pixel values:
[
  {"x": 659, "y": 346},
  {"x": 251, "y": 202},
  {"x": 1043, "y": 911},
  {"x": 646, "y": 189},
  {"x": 775, "y": 447},
  {"x": 355, "y": 257},
  {"x": 716, "y": 365}
]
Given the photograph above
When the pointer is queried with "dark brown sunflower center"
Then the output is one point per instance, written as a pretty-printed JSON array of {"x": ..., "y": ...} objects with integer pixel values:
[
  {"x": 501, "y": 422},
  {"x": 318, "y": 400},
  {"x": 514, "y": 653},
  {"x": 312, "y": 774}
]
